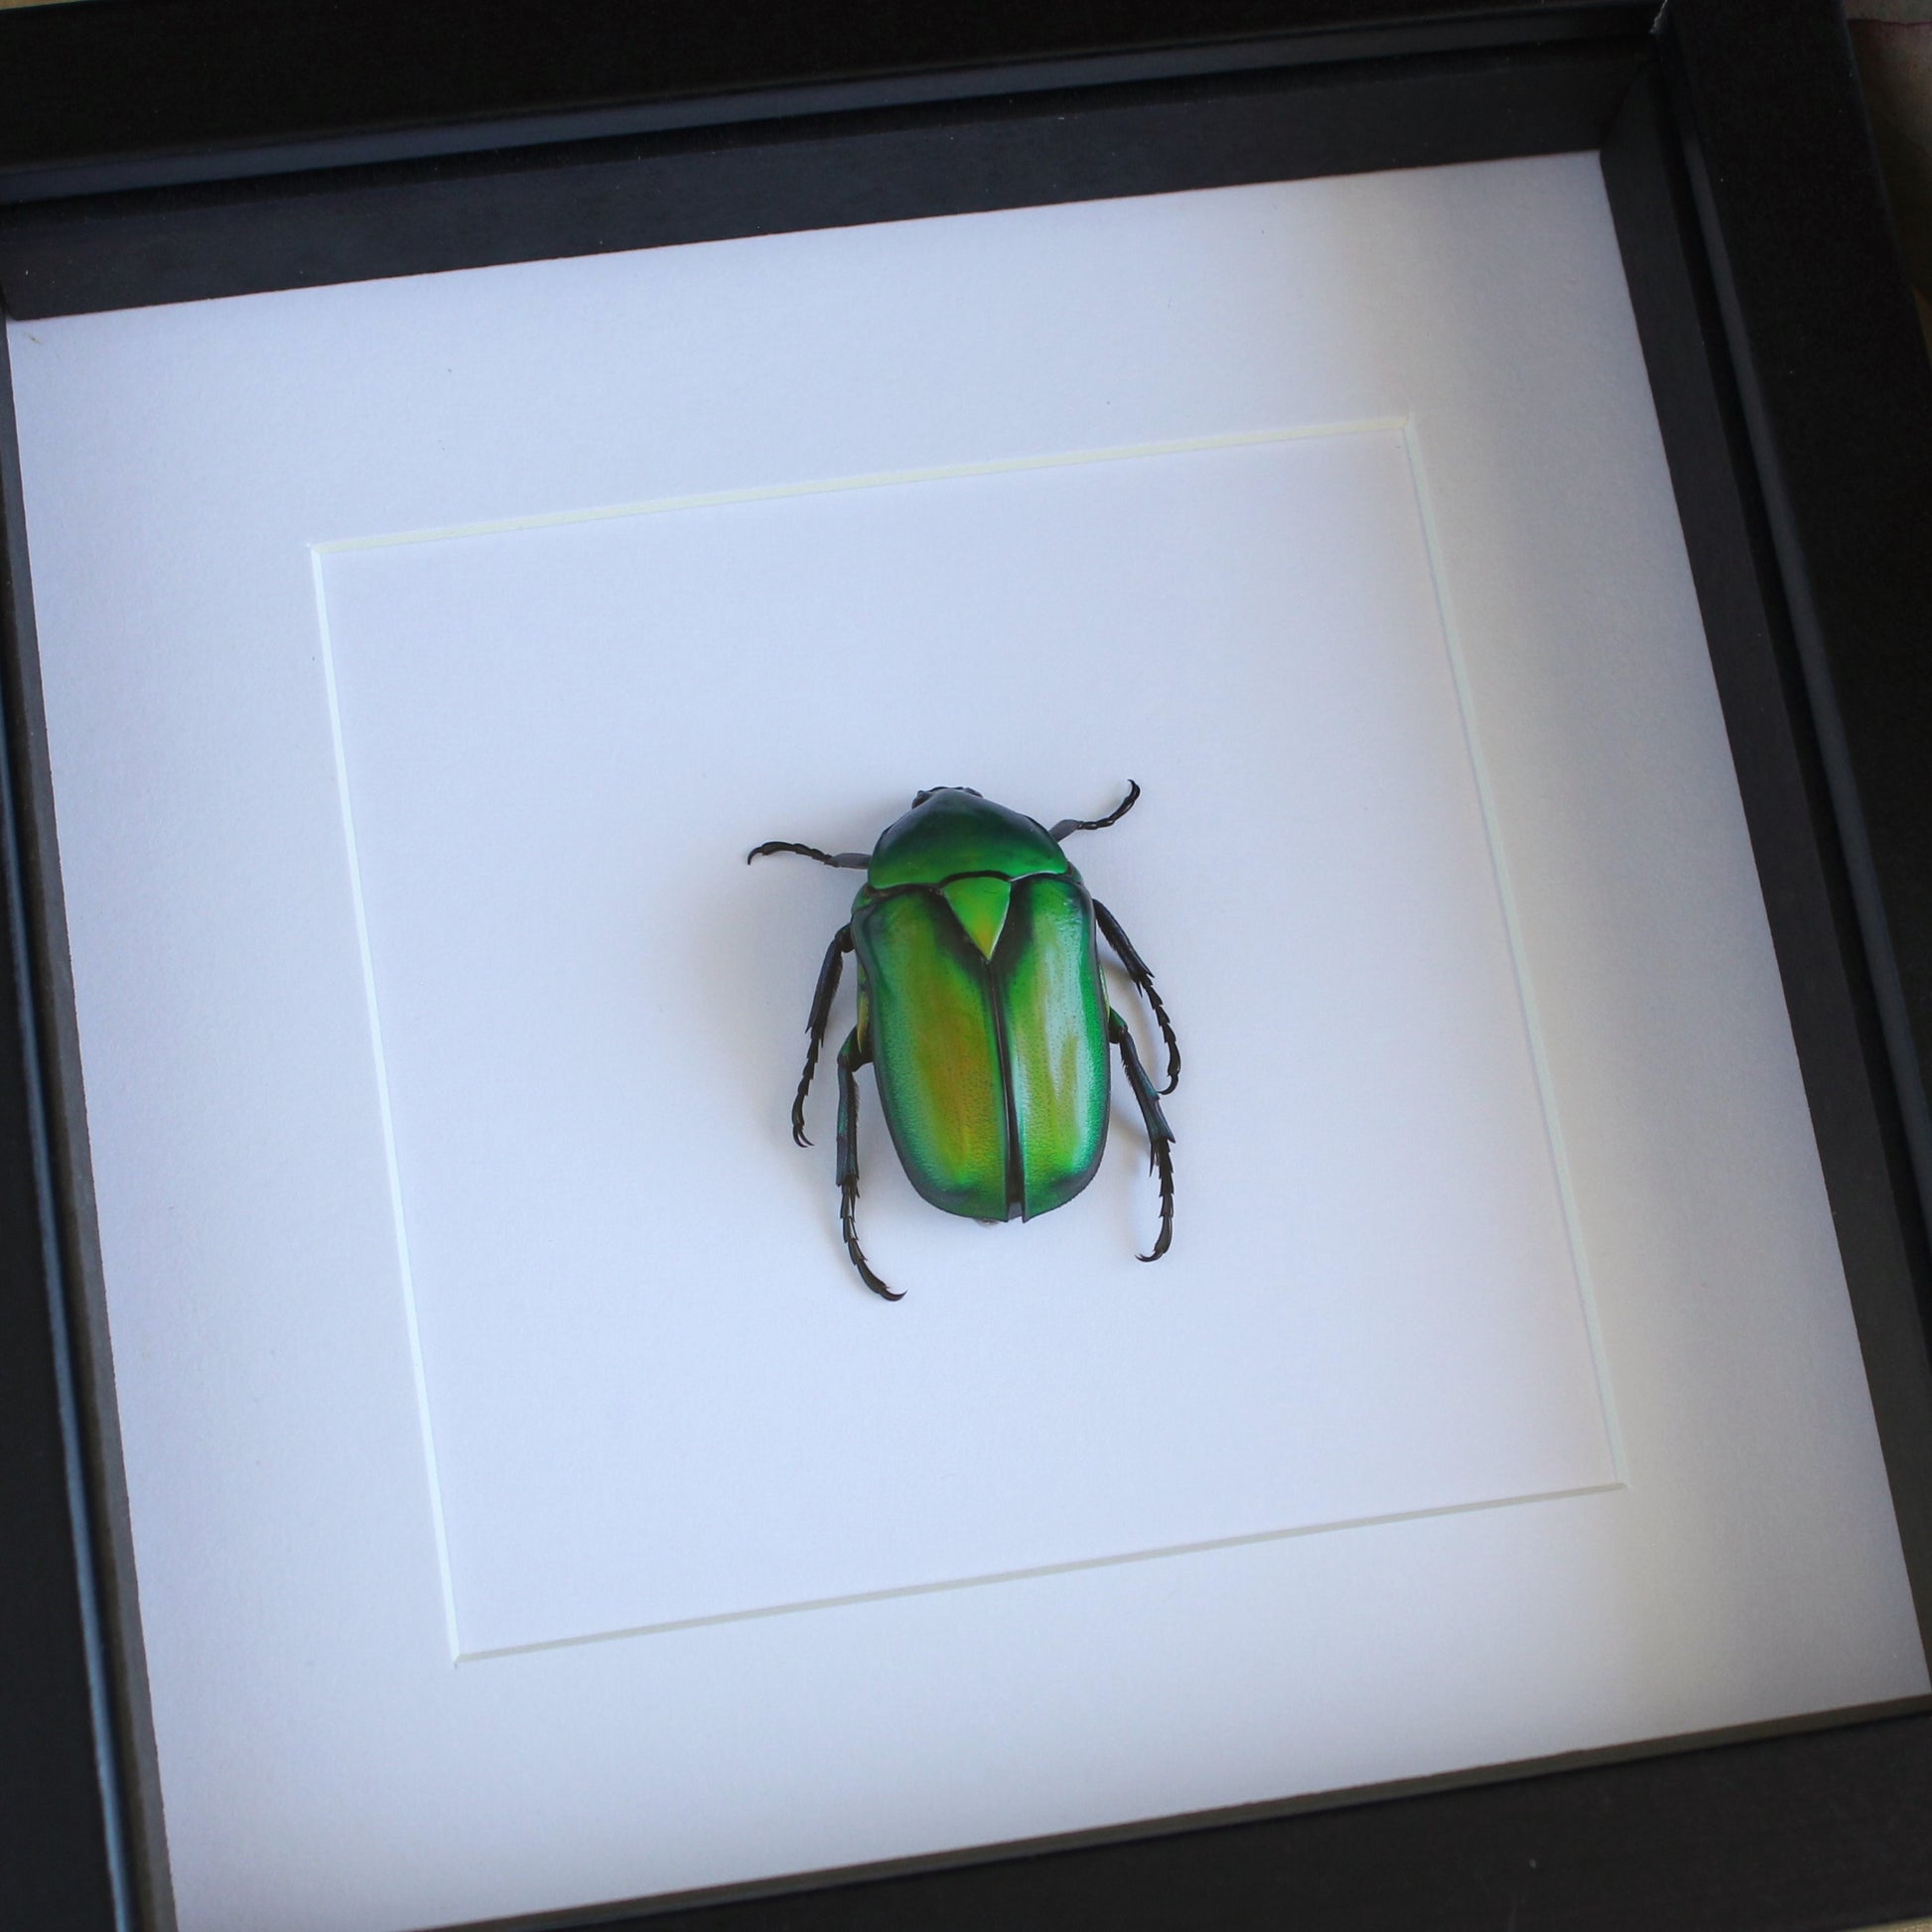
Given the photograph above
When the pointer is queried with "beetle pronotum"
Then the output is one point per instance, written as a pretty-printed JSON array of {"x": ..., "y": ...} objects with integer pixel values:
[{"x": 984, "y": 1015}]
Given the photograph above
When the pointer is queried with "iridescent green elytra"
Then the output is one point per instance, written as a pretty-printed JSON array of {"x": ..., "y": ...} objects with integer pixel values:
[{"x": 984, "y": 1014}]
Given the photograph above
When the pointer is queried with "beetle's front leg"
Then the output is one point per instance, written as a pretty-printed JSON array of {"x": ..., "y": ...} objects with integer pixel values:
[
  {"x": 850, "y": 1057},
  {"x": 1159, "y": 1134},
  {"x": 848, "y": 861},
  {"x": 1114, "y": 817},
  {"x": 821, "y": 1015}
]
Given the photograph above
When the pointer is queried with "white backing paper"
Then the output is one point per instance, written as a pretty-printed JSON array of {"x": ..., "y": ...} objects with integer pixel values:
[{"x": 643, "y": 1350}]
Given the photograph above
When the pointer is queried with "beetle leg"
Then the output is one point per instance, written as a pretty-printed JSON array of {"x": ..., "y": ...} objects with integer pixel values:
[
  {"x": 1120, "y": 811},
  {"x": 828, "y": 984},
  {"x": 1159, "y": 1134},
  {"x": 1141, "y": 975},
  {"x": 849, "y": 861},
  {"x": 850, "y": 1059}
]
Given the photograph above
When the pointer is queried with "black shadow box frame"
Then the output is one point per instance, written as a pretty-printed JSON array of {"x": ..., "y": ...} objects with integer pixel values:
[{"x": 168, "y": 150}]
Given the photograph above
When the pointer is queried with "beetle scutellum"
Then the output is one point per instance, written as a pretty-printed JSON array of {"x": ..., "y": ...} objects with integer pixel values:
[{"x": 983, "y": 1012}]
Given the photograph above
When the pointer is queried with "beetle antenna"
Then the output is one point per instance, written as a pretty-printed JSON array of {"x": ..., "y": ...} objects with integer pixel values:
[
  {"x": 1120, "y": 811},
  {"x": 848, "y": 861}
]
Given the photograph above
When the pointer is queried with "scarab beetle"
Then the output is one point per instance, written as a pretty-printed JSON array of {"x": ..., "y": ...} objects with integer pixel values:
[{"x": 983, "y": 1014}]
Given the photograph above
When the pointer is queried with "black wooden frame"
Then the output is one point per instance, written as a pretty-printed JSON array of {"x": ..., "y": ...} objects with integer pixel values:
[{"x": 163, "y": 150}]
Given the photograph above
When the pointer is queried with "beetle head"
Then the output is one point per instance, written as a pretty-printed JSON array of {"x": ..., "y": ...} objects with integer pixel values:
[{"x": 920, "y": 797}]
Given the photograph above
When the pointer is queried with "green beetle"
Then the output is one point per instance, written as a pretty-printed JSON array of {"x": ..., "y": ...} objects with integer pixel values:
[{"x": 984, "y": 1014}]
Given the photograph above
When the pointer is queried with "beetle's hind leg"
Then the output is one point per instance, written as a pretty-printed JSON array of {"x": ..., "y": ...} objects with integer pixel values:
[
  {"x": 1141, "y": 975},
  {"x": 1159, "y": 1134},
  {"x": 851, "y": 1058},
  {"x": 821, "y": 1015}
]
